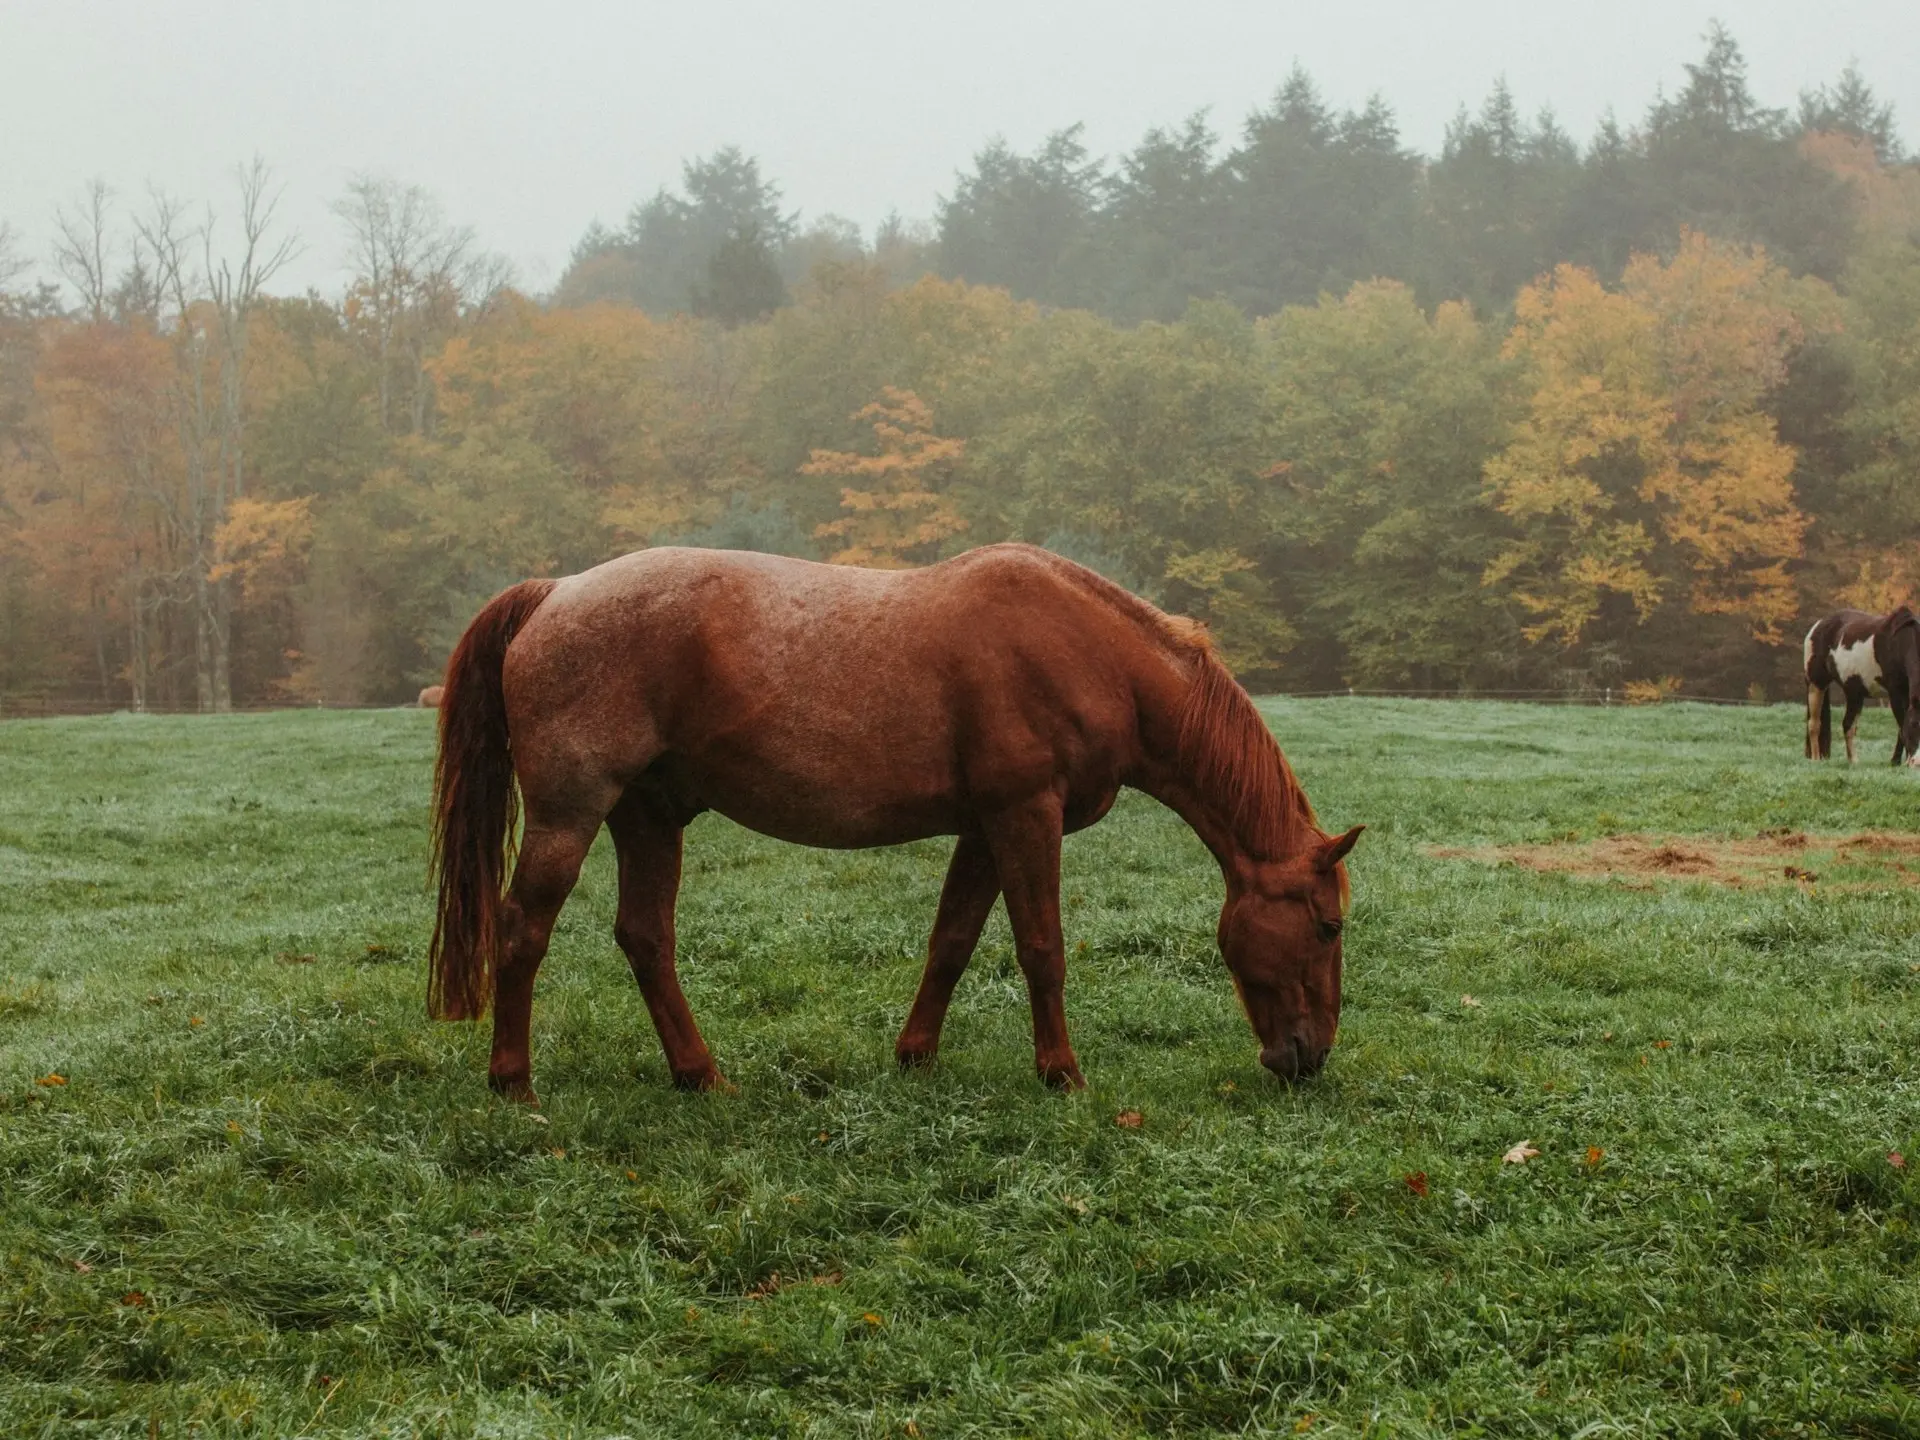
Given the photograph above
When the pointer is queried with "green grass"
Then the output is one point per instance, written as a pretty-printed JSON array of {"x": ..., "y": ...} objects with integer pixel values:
[{"x": 334, "y": 1229}]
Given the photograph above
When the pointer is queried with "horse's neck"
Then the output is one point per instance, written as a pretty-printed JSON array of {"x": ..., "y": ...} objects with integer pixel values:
[{"x": 1216, "y": 766}]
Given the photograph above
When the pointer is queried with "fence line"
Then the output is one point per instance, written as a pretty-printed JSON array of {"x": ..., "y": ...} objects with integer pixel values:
[{"x": 41, "y": 708}]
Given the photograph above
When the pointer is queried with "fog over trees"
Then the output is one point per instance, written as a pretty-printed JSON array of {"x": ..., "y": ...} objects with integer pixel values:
[{"x": 1538, "y": 412}]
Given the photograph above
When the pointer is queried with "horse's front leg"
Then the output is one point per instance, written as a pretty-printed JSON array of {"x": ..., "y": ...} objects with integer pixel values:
[
  {"x": 550, "y": 858},
  {"x": 965, "y": 902},
  {"x": 1026, "y": 852},
  {"x": 649, "y": 848}
]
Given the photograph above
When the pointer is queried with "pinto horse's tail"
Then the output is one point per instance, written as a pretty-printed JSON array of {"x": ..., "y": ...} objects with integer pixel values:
[{"x": 475, "y": 806}]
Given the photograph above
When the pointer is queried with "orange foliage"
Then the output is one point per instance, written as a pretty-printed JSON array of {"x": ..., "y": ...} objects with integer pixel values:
[{"x": 899, "y": 519}]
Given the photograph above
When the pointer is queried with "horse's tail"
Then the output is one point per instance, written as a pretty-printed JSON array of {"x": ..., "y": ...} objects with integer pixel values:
[{"x": 475, "y": 806}]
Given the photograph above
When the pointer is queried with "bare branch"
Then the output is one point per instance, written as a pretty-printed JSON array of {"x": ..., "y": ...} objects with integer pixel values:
[
  {"x": 12, "y": 263},
  {"x": 80, "y": 249}
]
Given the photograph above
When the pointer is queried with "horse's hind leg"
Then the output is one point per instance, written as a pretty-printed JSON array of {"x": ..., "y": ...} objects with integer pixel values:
[
  {"x": 1026, "y": 853},
  {"x": 648, "y": 844},
  {"x": 550, "y": 858},
  {"x": 965, "y": 902},
  {"x": 1819, "y": 722}
]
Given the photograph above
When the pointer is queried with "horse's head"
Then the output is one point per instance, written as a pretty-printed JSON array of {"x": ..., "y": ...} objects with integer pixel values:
[{"x": 1280, "y": 935}]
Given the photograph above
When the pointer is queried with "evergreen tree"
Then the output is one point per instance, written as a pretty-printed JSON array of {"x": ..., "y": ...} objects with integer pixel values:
[{"x": 1025, "y": 222}]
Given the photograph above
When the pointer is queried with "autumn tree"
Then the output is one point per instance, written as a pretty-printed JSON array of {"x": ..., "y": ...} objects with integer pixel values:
[
  {"x": 896, "y": 514},
  {"x": 1646, "y": 471}
]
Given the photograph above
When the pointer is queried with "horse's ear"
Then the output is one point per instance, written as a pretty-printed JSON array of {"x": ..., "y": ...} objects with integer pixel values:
[{"x": 1335, "y": 850}]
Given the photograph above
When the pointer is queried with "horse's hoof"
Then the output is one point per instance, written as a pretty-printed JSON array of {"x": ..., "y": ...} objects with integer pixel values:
[
  {"x": 704, "y": 1081},
  {"x": 514, "y": 1087},
  {"x": 915, "y": 1059},
  {"x": 1065, "y": 1078}
]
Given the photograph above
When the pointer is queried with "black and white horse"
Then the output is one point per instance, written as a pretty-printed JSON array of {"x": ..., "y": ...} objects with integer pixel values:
[{"x": 1864, "y": 655}]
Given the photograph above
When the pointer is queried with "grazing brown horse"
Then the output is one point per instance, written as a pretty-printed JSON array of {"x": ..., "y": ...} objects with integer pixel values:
[
  {"x": 1863, "y": 655},
  {"x": 1004, "y": 696}
]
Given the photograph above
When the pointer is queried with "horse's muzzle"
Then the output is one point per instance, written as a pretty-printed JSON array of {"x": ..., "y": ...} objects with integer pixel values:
[{"x": 1294, "y": 1058}]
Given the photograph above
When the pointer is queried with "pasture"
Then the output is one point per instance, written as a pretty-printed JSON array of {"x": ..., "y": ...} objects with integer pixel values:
[{"x": 247, "y": 1188}]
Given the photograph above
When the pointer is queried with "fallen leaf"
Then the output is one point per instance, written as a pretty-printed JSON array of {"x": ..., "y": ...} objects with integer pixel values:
[
  {"x": 233, "y": 1127},
  {"x": 376, "y": 951},
  {"x": 821, "y": 1137},
  {"x": 693, "y": 1313},
  {"x": 1663, "y": 1044},
  {"x": 1595, "y": 1155},
  {"x": 1469, "y": 1002},
  {"x": 1227, "y": 1087},
  {"x": 558, "y": 1153},
  {"x": 51, "y": 1079},
  {"x": 538, "y": 1119},
  {"x": 632, "y": 1175},
  {"x": 1129, "y": 1119},
  {"x": 326, "y": 1382},
  {"x": 1606, "y": 1034},
  {"x": 1519, "y": 1154},
  {"x": 1417, "y": 1182},
  {"x": 287, "y": 957},
  {"x": 196, "y": 1020},
  {"x": 1074, "y": 1203},
  {"x": 83, "y": 1267},
  {"x": 133, "y": 1297},
  {"x": 913, "y": 1431},
  {"x": 872, "y": 1319},
  {"x": 1896, "y": 1159},
  {"x": 1794, "y": 872},
  {"x": 1304, "y": 1423}
]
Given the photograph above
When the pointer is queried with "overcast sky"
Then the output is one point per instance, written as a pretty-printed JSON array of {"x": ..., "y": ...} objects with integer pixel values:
[{"x": 529, "y": 121}]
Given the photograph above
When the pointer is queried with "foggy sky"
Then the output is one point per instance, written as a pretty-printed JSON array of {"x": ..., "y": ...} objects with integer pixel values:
[{"x": 530, "y": 121}]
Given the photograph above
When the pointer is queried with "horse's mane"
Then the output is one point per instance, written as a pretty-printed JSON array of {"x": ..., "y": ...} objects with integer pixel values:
[
  {"x": 1224, "y": 747},
  {"x": 1230, "y": 755}
]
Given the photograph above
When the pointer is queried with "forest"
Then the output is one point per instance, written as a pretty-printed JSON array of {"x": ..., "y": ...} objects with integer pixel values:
[{"x": 1529, "y": 416}]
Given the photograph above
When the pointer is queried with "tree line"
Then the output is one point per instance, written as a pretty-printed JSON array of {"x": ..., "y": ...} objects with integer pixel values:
[{"x": 1519, "y": 417}]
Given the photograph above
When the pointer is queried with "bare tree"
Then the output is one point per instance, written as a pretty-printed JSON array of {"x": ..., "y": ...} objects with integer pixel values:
[
  {"x": 82, "y": 247},
  {"x": 12, "y": 263},
  {"x": 415, "y": 276},
  {"x": 206, "y": 303}
]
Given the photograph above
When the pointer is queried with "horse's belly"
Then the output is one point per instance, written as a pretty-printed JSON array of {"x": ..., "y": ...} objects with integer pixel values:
[
  {"x": 795, "y": 817},
  {"x": 843, "y": 805}
]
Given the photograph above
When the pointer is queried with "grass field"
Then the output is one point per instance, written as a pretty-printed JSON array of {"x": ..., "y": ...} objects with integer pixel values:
[{"x": 271, "y": 1198}]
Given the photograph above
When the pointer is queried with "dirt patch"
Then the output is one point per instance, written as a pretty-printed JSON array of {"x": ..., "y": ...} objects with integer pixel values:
[{"x": 1869, "y": 859}]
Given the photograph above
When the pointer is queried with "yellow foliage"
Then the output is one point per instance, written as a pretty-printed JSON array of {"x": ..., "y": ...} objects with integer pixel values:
[
  {"x": 261, "y": 540},
  {"x": 1645, "y": 420},
  {"x": 1652, "y": 692}
]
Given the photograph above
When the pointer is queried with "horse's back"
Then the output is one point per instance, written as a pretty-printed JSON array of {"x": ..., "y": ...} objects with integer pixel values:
[{"x": 831, "y": 703}]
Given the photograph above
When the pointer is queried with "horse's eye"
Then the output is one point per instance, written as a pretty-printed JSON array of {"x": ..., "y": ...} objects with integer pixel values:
[{"x": 1330, "y": 930}]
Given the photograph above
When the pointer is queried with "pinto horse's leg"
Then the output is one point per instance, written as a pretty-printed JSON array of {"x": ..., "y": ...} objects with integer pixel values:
[
  {"x": 1026, "y": 853},
  {"x": 1819, "y": 722},
  {"x": 1850, "y": 722},
  {"x": 965, "y": 902},
  {"x": 550, "y": 858},
  {"x": 648, "y": 845}
]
